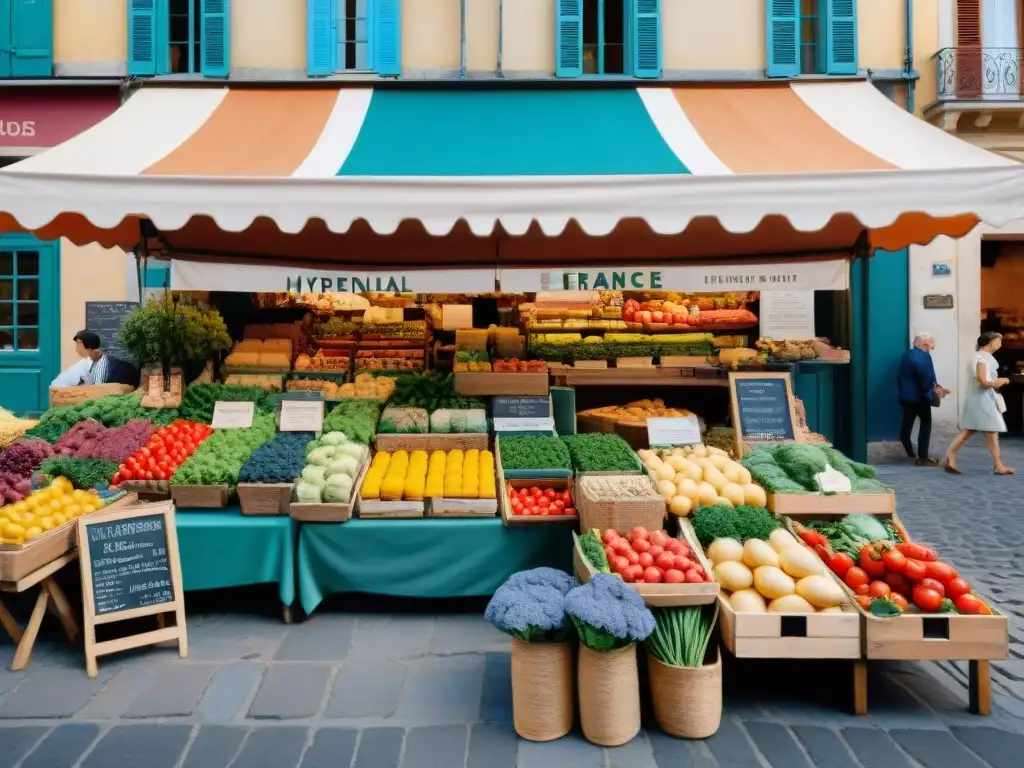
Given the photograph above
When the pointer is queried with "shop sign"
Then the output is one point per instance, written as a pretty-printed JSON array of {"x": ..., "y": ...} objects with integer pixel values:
[
  {"x": 48, "y": 117},
  {"x": 806, "y": 275},
  {"x": 528, "y": 413},
  {"x": 762, "y": 408},
  {"x": 326, "y": 278},
  {"x": 938, "y": 301}
]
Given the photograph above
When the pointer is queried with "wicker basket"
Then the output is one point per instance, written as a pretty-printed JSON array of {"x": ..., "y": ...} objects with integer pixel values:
[
  {"x": 265, "y": 498},
  {"x": 542, "y": 692},
  {"x": 609, "y": 688},
  {"x": 633, "y": 433},
  {"x": 687, "y": 701},
  {"x": 586, "y": 422},
  {"x": 620, "y": 514}
]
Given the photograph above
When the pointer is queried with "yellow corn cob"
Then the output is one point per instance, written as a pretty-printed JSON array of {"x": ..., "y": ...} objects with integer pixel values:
[
  {"x": 487, "y": 488},
  {"x": 372, "y": 482},
  {"x": 392, "y": 487},
  {"x": 455, "y": 454},
  {"x": 414, "y": 487},
  {"x": 434, "y": 486},
  {"x": 381, "y": 460}
]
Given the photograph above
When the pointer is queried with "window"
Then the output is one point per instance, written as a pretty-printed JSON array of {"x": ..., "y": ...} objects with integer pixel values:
[
  {"x": 806, "y": 37},
  {"x": 26, "y": 38},
  {"x": 179, "y": 37},
  {"x": 353, "y": 36},
  {"x": 19, "y": 300},
  {"x": 608, "y": 37}
]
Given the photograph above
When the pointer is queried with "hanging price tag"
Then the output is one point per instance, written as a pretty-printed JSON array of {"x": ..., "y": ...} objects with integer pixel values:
[
  {"x": 301, "y": 416},
  {"x": 229, "y": 415}
]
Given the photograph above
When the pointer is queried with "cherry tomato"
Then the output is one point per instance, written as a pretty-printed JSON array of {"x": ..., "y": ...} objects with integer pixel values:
[
  {"x": 127, "y": 474},
  {"x": 550, "y": 493},
  {"x": 898, "y": 582},
  {"x": 878, "y": 589},
  {"x": 569, "y": 511},
  {"x": 871, "y": 562},
  {"x": 933, "y": 584},
  {"x": 116, "y": 480},
  {"x": 941, "y": 572},
  {"x": 956, "y": 588},
  {"x": 839, "y": 563},
  {"x": 862, "y": 589},
  {"x": 144, "y": 452},
  {"x": 899, "y": 601},
  {"x": 972, "y": 604},
  {"x": 864, "y": 601},
  {"x": 855, "y": 577},
  {"x": 894, "y": 560},
  {"x": 928, "y": 600},
  {"x": 915, "y": 570},
  {"x": 543, "y": 501}
]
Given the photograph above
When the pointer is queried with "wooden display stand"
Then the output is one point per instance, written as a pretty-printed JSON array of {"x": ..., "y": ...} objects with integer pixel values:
[{"x": 51, "y": 597}]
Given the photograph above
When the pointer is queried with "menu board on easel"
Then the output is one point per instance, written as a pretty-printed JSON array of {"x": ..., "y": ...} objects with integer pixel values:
[
  {"x": 130, "y": 568},
  {"x": 763, "y": 409}
]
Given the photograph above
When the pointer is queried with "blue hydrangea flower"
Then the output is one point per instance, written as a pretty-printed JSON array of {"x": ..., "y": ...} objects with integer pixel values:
[
  {"x": 530, "y": 605},
  {"x": 608, "y": 613}
]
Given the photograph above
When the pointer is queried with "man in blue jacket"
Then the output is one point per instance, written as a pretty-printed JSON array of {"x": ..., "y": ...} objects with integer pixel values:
[{"x": 918, "y": 393}]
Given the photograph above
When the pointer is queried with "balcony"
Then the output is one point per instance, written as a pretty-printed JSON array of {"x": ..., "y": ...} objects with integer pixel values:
[{"x": 981, "y": 81}]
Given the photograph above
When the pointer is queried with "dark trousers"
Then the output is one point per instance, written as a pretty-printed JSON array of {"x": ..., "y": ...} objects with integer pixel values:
[{"x": 911, "y": 412}]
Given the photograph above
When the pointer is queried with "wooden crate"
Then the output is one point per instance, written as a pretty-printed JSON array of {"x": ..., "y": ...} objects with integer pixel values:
[
  {"x": 501, "y": 383},
  {"x": 265, "y": 498},
  {"x": 201, "y": 496},
  {"x": 524, "y": 474},
  {"x": 634, "y": 362},
  {"x": 816, "y": 505},
  {"x": 329, "y": 512},
  {"x": 17, "y": 562},
  {"x": 433, "y": 442},
  {"x": 85, "y": 392},
  {"x": 590, "y": 364},
  {"x": 148, "y": 490},
  {"x": 558, "y": 483},
  {"x": 397, "y": 510},
  {"x": 444, "y": 507},
  {"x": 656, "y": 595}
]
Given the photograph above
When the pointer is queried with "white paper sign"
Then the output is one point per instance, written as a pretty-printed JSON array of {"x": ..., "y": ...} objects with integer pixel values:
[
  {"x": 831, "y": 481},
  {"x": 524, "y": 425},
  {"x": 228, "y": 415},
  {"x": 301, "y": 416},
  {"x": 673, "y": 431},
  {"x": 787, "y": 315}
]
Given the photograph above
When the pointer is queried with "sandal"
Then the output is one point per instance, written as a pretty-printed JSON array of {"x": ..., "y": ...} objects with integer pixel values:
[
  {"x": 1003, "y": 471},
  {"x": 949, "y": 469}
]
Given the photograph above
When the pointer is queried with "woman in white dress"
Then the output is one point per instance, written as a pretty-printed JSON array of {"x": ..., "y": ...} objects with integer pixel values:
[{"x": 984, "y": 406}]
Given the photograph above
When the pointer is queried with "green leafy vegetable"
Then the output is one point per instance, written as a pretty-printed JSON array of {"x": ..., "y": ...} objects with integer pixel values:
[
  {"x": 198, "y": 402},
  {"x": 534, "y": 452},
  {"x": 85, "y": 474},
  {"x": 430, "y": 391},
  {"x": 599, "y": 452},
  {"x": 219, "y": 457},
  {"x": 356, "y": 418},
  {"x": 681, "y": 635},
  {"x": 593, "y": 550},
  {"x": 110, "y": 411},
  {"x": 741, "y": 523},
  {"x": 792, "y": 467}
]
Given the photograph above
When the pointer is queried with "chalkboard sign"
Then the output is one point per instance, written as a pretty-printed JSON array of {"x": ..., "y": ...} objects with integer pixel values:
[
  {"x": 130, "y": 568},
  {"x": 105, "y": 318},
  {"x": 526, "y": 407},
  {"x": 762, "y": 408}
]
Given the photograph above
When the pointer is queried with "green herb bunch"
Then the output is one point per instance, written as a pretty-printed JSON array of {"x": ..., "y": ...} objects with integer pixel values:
[
  {"x": 173, "y": 330},
  {"x": 741, "y": 523},
  {"x": 534, "y": 452},
  {"x": 598, "y": 452},
  {"x": 219, "y": 457}
]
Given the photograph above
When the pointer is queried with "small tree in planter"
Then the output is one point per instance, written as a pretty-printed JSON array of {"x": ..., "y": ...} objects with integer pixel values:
[
  {"x": 172, "y": 331},
  {"x": 529, "y": 607}
]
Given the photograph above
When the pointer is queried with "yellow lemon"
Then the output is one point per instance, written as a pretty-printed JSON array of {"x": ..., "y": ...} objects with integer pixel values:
[
  {"x": 59, "y": 517},
  {"x": 19, "y": 507},
  {"x": 47, "y": 523},
  {"x": 74, "y": 510},
  {"x": 31, "y": 533},
  {"x": 14, "y": 531},
  {"x": 61, "y": 484},
  {"x": 80, "y": 495},
  {"x": 67, "y": 501},
  {"x": 27, "y": 518},
  {"x": 55, "y": 505}
]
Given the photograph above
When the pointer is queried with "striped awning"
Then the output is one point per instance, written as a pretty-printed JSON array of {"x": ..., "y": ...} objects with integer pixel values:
[{"x": 809, "y": 165}]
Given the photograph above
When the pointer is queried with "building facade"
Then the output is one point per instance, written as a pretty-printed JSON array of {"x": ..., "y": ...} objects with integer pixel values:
[{"x": 485, "y": 42}]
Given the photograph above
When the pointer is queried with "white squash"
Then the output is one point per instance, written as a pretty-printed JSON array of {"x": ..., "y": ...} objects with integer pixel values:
[
  {"x": 772, "y": 582},
  {"x": 790, "y": 604},
  {"x": 747, "y": 601},
  {"x": 725, "y": 551},
  {"x": 780, "y": 539},
  {"x": 757, "y": 553},
  {"x": 733, "y": 576},
  {"x": 819, "y": 591},
  {"x": 799, "y": 562}
]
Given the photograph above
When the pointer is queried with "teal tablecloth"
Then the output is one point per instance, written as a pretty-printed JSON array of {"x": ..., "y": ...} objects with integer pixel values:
[
  {"x": 422, "y": 558},
  {"x": 224, "y": 548}
]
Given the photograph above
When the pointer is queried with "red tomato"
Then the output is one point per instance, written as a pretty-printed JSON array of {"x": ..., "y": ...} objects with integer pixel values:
[
  {"x": 660, "y": 538},
  {"x": 569, "y": 511},
  {"x": 639, "y": 533},
  {"x": 894, "y": 560},
  {"x": 933, "y": 584},
  {"x": 558, "y": 504},
  {"x": 535, "y": 491},
  {"x": 144, "y": 452},
  {"x": 915, "y": 570},
  {"x": 619, "y": 564},
  {"x": 656, "y": 549},
  {"x": 609, "y": 553},
  {"x": 646, "y": 560},
  {"x": 928, "y": 600},
  {"x": 865, "y": 601},
  {"x": 899, "y": 601},
  {"x": 674, "y": 576},
  {"x": 956, "y": 588},
  {"x": 972, "y": 604},
  {"x": 871, "y": 562},
  {"x": 635, "y": 573},
  {"x": 127, "y": 474},
  {"x": 652, "y": 575},
  {"x": 116, "y": 480},
  {"x": 641, "y": 545},
  {"x": 567, "y": 497},
  {"x": 621, "y": 546},
  {"x": 665, "y": 561},
  {"x": 839, "y": 563},
  {"x": 862, "y": 589},
  {"x": 898, "y": 582},
  {"x": 693, "y": 576},
  {"x": 675, "y": 546},
  {"x": 855, "y": 577},
  {"x": 549, "y": 492},
  {"x": 878, "y": 589},
  {"x": 633, "y": 557},
  {"x": 608, "y": 535},
  {"x": 543, "y": 501},
  {"x": 941, "y": 572},
  {"x": 681, "y": 562}
]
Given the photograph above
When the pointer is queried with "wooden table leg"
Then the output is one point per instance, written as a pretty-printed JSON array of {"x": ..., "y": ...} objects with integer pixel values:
[
  {"x": 62, "y": 607},
  {"x": 860, "y": 687},
  {"x": 9, "y": 624},
  {"x": 980, "y": 686},
  {"x": 24, "y": 650},
  {"x": 286, "y": 613}
]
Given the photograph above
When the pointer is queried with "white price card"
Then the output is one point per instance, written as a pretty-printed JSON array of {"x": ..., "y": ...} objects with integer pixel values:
[
  {"x": 228, "y": 415},
  {"x": 831, "y": 481},
  {"x": 524, "y": 424},
  {"x": 301, "y": 416},
  {"x": 673, "y": 431}
]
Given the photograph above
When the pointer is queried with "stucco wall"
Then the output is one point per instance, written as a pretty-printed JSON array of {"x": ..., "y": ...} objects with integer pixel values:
[
  {"x": 87, "y": 273},
  {"x": 269, "y": 34},
  {"x": 90, "y": 31}
]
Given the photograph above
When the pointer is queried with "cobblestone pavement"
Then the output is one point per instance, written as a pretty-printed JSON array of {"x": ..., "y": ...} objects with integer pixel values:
[{"x": 411, "y": 689}]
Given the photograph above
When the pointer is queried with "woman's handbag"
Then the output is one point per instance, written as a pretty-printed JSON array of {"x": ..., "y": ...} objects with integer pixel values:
[{"x": 1000, "y": 403}]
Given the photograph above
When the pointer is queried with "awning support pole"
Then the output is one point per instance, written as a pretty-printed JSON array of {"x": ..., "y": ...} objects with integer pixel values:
[
  {"x": 462, "y": 39},
  {"x": 501, "y": 37}
]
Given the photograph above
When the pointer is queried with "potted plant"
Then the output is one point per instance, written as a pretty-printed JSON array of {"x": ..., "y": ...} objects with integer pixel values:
[
  {"x": 172, "y": 331},
  {"x": 610, "y": 619},
  {"x": 684, "y": 673},
  {"x": 530, "y": 608}
]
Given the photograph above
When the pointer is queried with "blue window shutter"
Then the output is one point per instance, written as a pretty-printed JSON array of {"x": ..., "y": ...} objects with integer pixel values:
[
  {"x": 142, "y": 23},
  {"x": 32, "y": 38},
  {"x": 215, "y": 39},
  {"x": 387, "y": 37},
  {"x": 783, "y": 37},
  {"x": 568, "y": 38},
  {"x": 647, "y": 38},
  {"x": 6, "y": 17},
  {"x": 841, "y": 36},
  {"x": 321, "y": 37}
]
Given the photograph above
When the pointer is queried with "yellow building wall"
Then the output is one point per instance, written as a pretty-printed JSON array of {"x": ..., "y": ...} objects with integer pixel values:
[
  {"x": 269, "y": 33},
  {"x": 87, "y": 273},
  {"x": 926, "y": 45},
  {"x": 90, "y": 31}
]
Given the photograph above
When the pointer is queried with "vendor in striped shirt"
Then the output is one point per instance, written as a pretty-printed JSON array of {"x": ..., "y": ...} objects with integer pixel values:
[{"x": 87, "y": 345}]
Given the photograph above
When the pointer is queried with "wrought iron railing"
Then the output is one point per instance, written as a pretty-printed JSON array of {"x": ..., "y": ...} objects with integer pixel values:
[{"x": 977, "y": 72}]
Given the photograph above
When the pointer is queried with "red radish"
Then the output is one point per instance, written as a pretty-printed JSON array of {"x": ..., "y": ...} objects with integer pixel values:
[{"x": 674, "y": 576}]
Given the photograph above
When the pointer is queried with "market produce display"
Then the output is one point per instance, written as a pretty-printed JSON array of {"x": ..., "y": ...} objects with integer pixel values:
[
  {"x": 199, "y": 400},
  {"x": 636, "y": 412},
  {"x": 404, "y": 421},
  {"x": 91, "y": 440},
  {"x": 458, "y": 421},
  {"x": 793, "y": 468},
  {"x": 432, "y": 392},
  {"x": 390, "y": 359},
  {"x": 701, "y": 475},
  {"x": 598, "y": 488},
  {"x": 534, "y": 452},
  {"x": 515, "y": 365},
  {"x": 598, "y": 452},
  {"x": 539, "y": 502},
  {"x": 264, "y": 382},
  {"x": 703, "y": 311},
  {"x": 356, "y": 418},
  {"x": 219, "y": 458},
  {"x": 331, "y": 467},
  {"x": 84, "y": 474},
  {"x": 456, "y": 474},
  {"x": 272, "y": 354},
  {"x": 639, "y": 555},
  {"x": 776, "y": 574},
  {"x": 12, "y": 427},
  {"x": 110, "y": 411},
  {"x": 17, "y": 463},
  {"x": 721, "y": 521},
  {"x": 43, "y": 510},
  {"x": 279, "y": 461},
  {"x": 164, "y": 452},
  {"x": 569, "y": 347},
  {"x": 887, "y": 575},
  {"x": 333, "y": 363}
]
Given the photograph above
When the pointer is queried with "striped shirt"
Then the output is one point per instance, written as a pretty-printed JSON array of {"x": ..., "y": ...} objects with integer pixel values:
[{"x": 98, "y": 372}]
